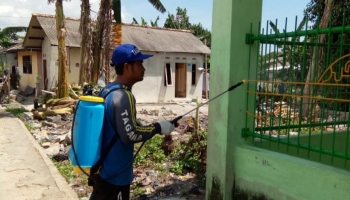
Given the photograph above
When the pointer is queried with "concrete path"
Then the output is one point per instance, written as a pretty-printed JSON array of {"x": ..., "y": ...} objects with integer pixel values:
[{"x": 25, "y": 170}]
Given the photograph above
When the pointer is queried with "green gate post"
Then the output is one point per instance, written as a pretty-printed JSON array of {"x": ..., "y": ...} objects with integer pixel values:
[{"x": 229, "y": 64}]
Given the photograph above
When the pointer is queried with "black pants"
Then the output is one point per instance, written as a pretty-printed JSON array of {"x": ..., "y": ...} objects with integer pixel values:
[{"x": 102, "y": 190}]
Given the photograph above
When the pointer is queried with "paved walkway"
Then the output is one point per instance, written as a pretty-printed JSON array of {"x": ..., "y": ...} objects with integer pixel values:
[{"x": 25, "y": 170}]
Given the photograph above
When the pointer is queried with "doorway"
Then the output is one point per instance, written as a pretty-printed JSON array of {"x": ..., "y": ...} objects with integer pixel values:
[
  {"x": 180, "y": 80},
  {"x": 45, "y": 74}
]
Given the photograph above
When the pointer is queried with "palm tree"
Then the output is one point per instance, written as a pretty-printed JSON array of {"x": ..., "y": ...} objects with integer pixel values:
[
  {"x": 9, "y": 34},
  {"x": 62, "y": 53}
]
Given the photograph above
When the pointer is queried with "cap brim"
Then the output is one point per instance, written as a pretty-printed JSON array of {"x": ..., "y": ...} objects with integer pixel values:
[{"x": 142, "y": 57}]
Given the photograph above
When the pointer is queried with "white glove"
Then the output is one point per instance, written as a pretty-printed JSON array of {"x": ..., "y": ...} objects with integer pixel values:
[{"x": 166, "y": 127}]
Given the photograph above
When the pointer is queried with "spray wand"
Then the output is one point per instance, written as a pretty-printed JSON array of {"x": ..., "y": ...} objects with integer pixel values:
[{"x": 174, "y": 121}]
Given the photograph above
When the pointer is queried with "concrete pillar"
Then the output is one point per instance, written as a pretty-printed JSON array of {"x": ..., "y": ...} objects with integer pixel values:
[{"x": 232, "y": 20}]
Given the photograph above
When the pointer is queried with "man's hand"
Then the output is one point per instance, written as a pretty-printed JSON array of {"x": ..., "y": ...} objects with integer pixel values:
[
  {"x": 139, "y": 123},
  {"x": 166, "y": 127}
]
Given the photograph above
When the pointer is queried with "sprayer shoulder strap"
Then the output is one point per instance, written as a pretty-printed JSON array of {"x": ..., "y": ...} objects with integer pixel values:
[{"x": 95, "y": 168}]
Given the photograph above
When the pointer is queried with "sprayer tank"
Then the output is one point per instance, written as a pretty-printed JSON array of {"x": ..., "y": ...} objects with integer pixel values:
[{"x": 87, "y": 133}]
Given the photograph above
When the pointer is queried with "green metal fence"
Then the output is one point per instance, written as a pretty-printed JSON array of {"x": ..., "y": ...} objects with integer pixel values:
[{"x": 302, "y": 92}]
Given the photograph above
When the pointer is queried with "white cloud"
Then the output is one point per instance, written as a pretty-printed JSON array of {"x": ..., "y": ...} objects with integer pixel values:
[
  {"x": 18, "y": 12},
  {"x": 126, "y": 16}
]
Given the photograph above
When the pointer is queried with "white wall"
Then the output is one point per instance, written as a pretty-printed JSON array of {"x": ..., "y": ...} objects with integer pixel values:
[
  {"x": 46, "y": 53},
  {"x": 73, "y": 58},
  {"x": 8, "y": 60},
  {"x": 152, "y": 88}
]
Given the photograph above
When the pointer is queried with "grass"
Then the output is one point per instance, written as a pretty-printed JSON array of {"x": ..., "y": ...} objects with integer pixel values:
[
  {"x": 66, "y": 170},
  {"x": 16, "y": 111},
  {"x": 29, "y": 127}
]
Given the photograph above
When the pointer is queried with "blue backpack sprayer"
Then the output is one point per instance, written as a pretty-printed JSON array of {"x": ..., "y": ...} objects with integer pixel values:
[{"x": 88, "y": 119}]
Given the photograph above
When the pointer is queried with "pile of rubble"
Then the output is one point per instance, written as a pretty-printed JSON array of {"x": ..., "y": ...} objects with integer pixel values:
[{"x": 53, "y": 132}]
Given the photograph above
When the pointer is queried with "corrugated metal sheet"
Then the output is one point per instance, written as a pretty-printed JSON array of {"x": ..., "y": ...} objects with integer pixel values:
[
  {"x": 13, "y": 48},
  {"x": 163, "y": 40},
  {"x": 72, "y": 27},
  {"x": 145, "y": 38}
]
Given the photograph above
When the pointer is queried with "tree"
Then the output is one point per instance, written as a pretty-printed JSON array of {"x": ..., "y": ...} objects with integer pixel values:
[
  {"x": 101, "y": 36},
  {"x": 181, "y": 21},
  {"x": 62, "y": 53},
  {"x": 323, "y": 23},
  {"x": 178, "y": 21},
  {"x": 201, "y": 33},
  {"x": 315, "y": 10},
  {"x": 101, "y": 41},
  {"x": 8, "y": 35},
  {"x": 287, "y": 54},
  {"x": 86, "y": 43}
]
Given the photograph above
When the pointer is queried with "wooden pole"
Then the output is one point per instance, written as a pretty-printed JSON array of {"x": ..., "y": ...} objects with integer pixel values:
[{"x": 205, "y": 75}]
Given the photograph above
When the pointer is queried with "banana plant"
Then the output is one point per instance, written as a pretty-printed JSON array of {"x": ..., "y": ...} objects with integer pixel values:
[
  {"x": 144, "y": 23},
  {"x": 62, "y": 53}
]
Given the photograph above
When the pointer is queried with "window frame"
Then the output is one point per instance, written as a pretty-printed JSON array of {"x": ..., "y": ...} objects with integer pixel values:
[
  {"x": 167, "y": 74},
  {"x": 27, "y": 69}
]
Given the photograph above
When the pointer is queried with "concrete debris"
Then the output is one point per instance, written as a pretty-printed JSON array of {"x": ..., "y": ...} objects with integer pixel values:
[
  {"x": 49, "y": 124},
  {"x": 26, "y": 116},
  {"x": 28, "y": 90},
  {"x": 46, "y": 144},
  {"x": 53, "y": 149}
]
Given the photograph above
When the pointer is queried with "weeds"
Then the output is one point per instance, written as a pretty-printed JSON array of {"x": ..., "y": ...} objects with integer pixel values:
[
  {"x": 16, "y": 111},
  {"x": 29, "y": 127},
  {"x": 150, "y": 153},
  {"x": 65, "y": 169}
]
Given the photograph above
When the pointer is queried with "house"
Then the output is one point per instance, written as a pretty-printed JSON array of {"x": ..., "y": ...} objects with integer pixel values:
[
  {"x": 8, "y": 57},
  {"x": 175, "y": 70}
]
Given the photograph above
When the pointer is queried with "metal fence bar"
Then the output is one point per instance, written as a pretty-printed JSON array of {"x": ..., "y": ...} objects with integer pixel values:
[
  {"x": 299, "y": 33},
  {"x": 297, "y": 100}
]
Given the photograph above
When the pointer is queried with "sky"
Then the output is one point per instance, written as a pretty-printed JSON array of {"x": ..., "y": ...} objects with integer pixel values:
[{"x": 18, "y": 12}]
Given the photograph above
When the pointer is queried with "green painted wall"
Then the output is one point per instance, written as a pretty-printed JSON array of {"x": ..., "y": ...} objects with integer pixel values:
[
  {"x": 277, "y": 176},
  {"x": 340, "y": 144},
  {"x": 235, "y": 168},
  {"x": 229, "y": 65}
]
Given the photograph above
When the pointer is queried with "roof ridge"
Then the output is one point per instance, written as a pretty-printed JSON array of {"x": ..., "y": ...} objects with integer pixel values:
[
  {"x": 156, "y": 27},
  {"x": 53, "y": 16},
  {"x": 127, "y": 24}
]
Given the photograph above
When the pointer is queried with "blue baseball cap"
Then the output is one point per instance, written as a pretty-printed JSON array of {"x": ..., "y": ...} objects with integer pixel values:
[{"x": 127, "y": 53}]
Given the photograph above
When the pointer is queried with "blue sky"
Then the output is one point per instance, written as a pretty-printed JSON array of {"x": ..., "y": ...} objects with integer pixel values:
[
  {"x": 18, "y": 12},
  {"x": 201, "y": 10}
]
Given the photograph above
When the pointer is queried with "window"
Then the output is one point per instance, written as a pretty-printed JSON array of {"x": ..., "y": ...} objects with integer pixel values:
[
  {"x": 167, "y": 74},
  {"x": 194, "y": 74},
  {"x": 27, "y": 65}
]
